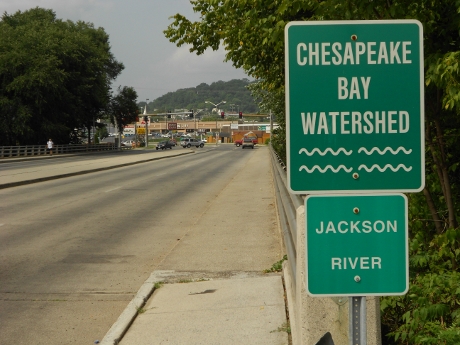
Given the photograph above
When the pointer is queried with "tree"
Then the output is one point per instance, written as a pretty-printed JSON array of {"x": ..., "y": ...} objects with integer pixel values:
[
  {"x": 233, "y": 92},
  {"x": 252, "y": 34},
  {"x": 55, "y": 76},
  {"x": 123, "y": 108}
]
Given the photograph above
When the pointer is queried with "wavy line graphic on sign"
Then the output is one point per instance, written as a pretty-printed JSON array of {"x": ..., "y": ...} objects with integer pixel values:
[
  {"x": 317, "y": 167},
  {"x": 388, "y": 166},
  {"x": 385, "y": 150},
  {"x": 323, "y": 153}
]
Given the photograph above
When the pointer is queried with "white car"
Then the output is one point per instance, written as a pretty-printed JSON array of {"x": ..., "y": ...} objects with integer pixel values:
[
  {"x": 191, "y": 142},
  {"x": 128, "y": 142}
]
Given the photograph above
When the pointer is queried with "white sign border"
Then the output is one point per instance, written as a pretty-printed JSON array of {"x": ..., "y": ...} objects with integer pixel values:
[
  {"x": 406, "y": 246},
  {"x": 288, "y": 110}
]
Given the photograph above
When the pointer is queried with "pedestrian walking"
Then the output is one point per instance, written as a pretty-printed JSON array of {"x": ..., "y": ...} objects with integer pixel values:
[{"x": 50, "y": 146}]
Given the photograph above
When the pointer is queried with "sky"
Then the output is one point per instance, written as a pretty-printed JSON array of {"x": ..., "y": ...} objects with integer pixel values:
[{"x": 153, "y": 65}]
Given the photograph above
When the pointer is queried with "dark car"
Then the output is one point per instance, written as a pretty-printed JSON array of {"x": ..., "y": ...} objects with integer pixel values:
[{"x": 165, "y": 145}]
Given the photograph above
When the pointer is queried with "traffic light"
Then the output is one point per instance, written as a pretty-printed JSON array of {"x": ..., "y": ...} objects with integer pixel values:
[
  {"x": 222, "y": 114},
  {"x": 191, "y": 113},
  {"x": 169, "y": 115},
  {"x": 240, "y": 114},
  {"x": 146, "y": 119}
]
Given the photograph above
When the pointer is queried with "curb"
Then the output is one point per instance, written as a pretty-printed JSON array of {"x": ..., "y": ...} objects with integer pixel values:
[
  {"x": 290, "y": 304},
  {"x": 127, "y": 317},
  {"x": 55, "y": 177}
]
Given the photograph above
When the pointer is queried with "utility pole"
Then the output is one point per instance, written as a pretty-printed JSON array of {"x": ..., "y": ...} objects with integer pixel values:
[{"x": 146, "y": 120}]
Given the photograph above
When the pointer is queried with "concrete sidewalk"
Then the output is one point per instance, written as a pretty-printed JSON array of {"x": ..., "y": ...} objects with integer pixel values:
[
  {"x": 238, "y": 309},
  {"x": 60, "y": 168}
]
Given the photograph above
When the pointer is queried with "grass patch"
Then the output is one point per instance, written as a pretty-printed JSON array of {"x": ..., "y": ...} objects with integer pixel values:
[
  {"x": 184, "y": 281},
  {"x": 283, "y": 328},
  {"x": 140, "y": 310},
  {"x": 277, "y": 266},
  {"x": 158, "y": 285}
]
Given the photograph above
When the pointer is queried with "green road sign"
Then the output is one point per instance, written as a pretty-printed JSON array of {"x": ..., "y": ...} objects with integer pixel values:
[
  {"x": 357, "y": 245},
  {"x": 354, "y": 106}
]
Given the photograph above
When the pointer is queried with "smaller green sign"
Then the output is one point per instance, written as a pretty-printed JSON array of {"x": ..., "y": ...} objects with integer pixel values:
[{"x": 357, "y": 245}]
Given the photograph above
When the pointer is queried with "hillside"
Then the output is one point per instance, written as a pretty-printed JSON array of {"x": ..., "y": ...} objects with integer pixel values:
[{"x": 234, "y": 92}]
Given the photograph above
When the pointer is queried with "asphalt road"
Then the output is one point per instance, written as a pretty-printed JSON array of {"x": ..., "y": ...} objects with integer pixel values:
[{"x": 74, "y": 251}]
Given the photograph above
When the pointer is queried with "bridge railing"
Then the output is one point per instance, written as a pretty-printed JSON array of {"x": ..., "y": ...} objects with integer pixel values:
[
  {"x": 287, "y": 205},
  {"x": 37, "y": 150}
]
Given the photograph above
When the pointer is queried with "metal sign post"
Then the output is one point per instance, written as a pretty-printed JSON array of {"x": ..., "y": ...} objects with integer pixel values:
[{"x": 357, "y": 320}]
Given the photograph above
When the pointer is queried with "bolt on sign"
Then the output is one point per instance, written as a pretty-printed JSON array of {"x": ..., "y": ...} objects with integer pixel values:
[
  {"x": 359, "y": 249},
  {"x": 355, "y": 106}
]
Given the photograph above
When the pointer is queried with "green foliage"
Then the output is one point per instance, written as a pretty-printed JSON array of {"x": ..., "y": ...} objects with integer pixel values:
[
  {"x": 277, "y": 266},
  {"x": 285, "y": 327},
  {"x": 430, "y": 312},
  {"x": 235, "y": 92},
  {"x": 158, "y": 285},
  {"x": 252, "y": 33},
  {"x": 102, "y": 132},
  {"x": 54, "y": 76},
  {"x": 122, "y": 108}
]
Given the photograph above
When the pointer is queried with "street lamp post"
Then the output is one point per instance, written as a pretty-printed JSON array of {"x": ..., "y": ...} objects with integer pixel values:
[
  {"x": 146, "y": 120},
  {"x": 215, "y": 105},
  {"x": 195, "y": 113}
]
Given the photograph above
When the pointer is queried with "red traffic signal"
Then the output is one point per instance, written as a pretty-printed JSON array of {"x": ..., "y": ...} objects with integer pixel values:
[
  {"x": 240, "y": 114},
  {"x": 222, "y": 114}
]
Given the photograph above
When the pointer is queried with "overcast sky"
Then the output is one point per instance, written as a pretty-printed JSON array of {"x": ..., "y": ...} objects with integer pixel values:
[{"x": 153, "y": 65}]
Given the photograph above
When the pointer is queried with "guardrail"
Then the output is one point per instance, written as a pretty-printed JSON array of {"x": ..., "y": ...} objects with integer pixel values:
[
  {"x": 37, "y": 150},
  {"x": 287, "y": 205}
]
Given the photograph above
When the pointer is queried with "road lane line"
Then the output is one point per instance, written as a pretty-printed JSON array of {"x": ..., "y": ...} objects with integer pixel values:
[{"x": 112, "y": 189}]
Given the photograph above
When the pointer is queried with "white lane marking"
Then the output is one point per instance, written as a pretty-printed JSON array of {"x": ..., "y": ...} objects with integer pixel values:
[{"x": 112, "y": 189}]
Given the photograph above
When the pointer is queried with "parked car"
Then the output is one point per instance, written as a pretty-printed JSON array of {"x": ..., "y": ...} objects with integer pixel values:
[
  {"x": 165, "y": 145},
  {"x": 189, "y": 142},
  {"x": 128, "y": 142}
]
